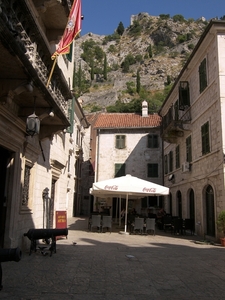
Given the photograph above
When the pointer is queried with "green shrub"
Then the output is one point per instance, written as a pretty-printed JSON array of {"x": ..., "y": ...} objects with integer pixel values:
[{"x": 221, "y": 222}]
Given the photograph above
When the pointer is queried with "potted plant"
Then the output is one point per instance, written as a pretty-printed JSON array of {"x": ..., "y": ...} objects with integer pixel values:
[{"x": 221, "y": 226}]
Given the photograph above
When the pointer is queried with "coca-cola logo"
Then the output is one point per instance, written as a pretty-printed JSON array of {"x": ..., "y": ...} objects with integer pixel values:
[
  {"x": 149, "y": 190},
  {"x": 111, "y": 187}
]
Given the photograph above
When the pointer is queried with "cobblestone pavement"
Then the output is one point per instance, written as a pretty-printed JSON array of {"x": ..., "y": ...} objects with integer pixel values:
[{"x": 92, "y": 265}]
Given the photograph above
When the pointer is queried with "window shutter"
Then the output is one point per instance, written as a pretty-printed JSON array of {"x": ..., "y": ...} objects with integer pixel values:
[
  {"x": 70, "y": 115},
  {"x": 205, "y": 138},
  {"x": 202, "y": 76},
  {"x": 120, "y": 141},
  {"x": 176, "y": 113},
  {"x": 177, "y": 157},
  {"x": 166, "y": 164},
  {"x": 188, "y": 149},
  {"x": 120, "y": 170}
]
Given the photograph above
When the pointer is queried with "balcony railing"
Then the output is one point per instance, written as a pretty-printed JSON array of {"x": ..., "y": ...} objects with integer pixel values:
[{"x": 174, "y": 123}]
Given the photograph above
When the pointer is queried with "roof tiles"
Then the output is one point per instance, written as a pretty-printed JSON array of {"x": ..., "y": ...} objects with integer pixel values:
[{"x": 126, "y": 120}]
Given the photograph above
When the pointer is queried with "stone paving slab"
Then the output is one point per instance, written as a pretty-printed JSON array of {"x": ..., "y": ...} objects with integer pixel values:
[{"x": 91, "y": 265}]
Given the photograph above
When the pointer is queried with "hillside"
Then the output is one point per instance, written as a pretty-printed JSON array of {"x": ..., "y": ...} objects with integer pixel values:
[{"x": 156, "y": 47}]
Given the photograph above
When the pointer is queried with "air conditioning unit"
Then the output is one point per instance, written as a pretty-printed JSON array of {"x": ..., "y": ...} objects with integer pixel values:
[{"x": 185, "y": 167}]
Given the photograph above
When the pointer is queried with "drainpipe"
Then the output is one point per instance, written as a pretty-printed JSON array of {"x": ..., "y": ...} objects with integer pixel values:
[
  {"x": 97, "y": 160},
  {"x": 97, "y": 155}
]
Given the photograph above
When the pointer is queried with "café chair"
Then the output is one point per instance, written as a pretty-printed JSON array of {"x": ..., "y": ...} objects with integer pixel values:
[
  {"x": 96, "y": 222},
  {"x": 150, "y": 225},
  {"x": 167, "y": 222},
  {"x": 139, "y": 224},
  {"x": 107, "y": 223}
]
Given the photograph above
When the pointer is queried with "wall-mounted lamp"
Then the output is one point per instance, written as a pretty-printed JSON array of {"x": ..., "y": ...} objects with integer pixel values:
[
  {"x": 171, "y": 177},
  {"x": 33, "y": 123},
  {"x": 47, "y": 114}
]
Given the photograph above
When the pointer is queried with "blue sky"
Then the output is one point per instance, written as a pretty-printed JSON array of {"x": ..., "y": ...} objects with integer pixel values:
[{"x": 103, "y": 16}]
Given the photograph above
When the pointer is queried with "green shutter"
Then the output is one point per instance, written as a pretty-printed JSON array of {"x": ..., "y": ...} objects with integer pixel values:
[
  {"x": 120, "y": 170},
  {"x": 176, "y": 114},
  {"x": 188, "y": 149},
  {"x": 177, "y": 157},
  {"x": 120, "y": 141},
  {"x": 202, "y": 76},
  {"x": 205, "y": 138},
  {"x": 165, "y": 164},
  {"x": 71, "y": 114}
]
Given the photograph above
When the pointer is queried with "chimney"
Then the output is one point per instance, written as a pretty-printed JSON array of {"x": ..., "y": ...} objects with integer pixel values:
[{"x": 144, "y": 109}]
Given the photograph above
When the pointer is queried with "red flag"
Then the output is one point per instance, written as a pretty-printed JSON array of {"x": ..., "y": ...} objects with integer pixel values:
[{"x": 73, "y": 27}]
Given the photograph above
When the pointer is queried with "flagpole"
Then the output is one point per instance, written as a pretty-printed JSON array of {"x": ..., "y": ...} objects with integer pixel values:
[{"x": 50, "y": 76}]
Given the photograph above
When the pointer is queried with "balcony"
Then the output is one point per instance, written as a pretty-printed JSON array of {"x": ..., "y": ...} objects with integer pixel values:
[
  {"x": 174, "y": 123},
  {"x": 178, "y": 117},
  {"x": 26, "y": 63}
]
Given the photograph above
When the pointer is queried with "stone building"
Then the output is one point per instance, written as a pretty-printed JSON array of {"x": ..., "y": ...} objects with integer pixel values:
[
  {"x": 125, "y": 143},
  {"x": 41, "y": 126},
  {"x": 194, "y": 134}
]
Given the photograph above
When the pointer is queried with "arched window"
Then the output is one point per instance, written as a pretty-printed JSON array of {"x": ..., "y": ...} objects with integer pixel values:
[
  {"x": 210, "y": 214},
  {"x": 179, "y": 204}
]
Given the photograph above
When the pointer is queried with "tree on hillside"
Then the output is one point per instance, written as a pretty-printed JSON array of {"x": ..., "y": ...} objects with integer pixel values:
[
  {"x": 138, "y": 82},
  {"x": 105, "y": 68},
  {"x": 178, "y": 18},
  {"x": 92, "y": 70},
  {"x": 150, "y": 51},
  {"x": 120, "y": 29}
]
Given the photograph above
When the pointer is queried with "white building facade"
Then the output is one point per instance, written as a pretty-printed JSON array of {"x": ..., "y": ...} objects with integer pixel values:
[
  {"x": 193, "y": 132},
  {"x": 128, "y": 143}
]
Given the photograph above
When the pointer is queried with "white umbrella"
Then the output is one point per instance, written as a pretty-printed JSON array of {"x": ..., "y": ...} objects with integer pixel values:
[{"x": 127, "y": 186}]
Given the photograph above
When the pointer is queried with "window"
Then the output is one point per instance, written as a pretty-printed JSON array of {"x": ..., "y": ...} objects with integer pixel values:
[
  {"x": 188, "y": 149},
  {"x": 171, "y": 161},
  {"x": 205, "y": 138},
  {"x": 26, "y": 186},
  {"x": 184, "y": 96},
  {"x": 153, "y": 141},
  {"x": 202, "y": 76},
  {"x": 120, "y": 170},
  {"x": 153, "y": 170},
  {"x": 177, "y": 156},
  {"x": 165, "y": 164},
  {"x": 120, "y": 141}
]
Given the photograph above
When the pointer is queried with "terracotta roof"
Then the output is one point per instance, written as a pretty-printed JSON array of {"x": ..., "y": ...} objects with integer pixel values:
[{"x": 126, "y": 120}]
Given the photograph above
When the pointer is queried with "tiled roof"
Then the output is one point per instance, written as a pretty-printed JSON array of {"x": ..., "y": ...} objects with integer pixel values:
[{"x": 126, "y": 120}]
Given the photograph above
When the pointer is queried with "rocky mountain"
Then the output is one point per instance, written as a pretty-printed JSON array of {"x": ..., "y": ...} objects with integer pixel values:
[{"x": 155, "y": 46}]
